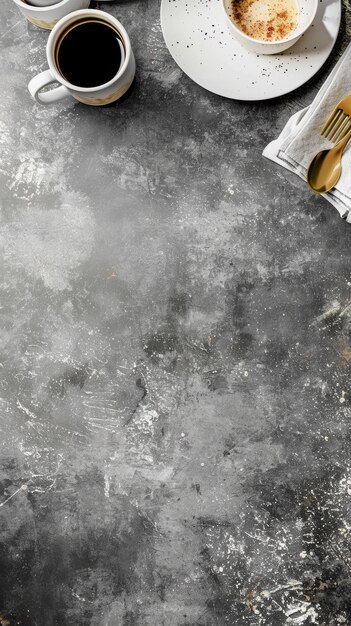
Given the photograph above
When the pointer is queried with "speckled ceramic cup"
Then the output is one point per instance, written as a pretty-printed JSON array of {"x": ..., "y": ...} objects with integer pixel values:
[
  {"x": 95, "y": 96},
  {"x": 307, "y": 10},
  {"x": 46, "y": 16}
]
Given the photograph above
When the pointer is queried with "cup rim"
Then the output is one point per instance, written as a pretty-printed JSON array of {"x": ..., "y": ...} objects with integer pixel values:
[
  {"x": 294, "y": 35},
  {"x": 57, "y": 29},
  {"x": 36, "y": 9}
]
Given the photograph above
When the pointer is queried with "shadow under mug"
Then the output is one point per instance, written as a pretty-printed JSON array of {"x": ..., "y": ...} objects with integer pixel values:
[{"x": 100, "y": 95}]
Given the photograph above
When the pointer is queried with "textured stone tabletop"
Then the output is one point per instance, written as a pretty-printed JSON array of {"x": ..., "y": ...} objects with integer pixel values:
[{"x": 175, "y": 358}]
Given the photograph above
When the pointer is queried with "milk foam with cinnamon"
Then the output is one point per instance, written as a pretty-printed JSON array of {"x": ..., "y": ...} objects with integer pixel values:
[{"x": 267, "y": 20}]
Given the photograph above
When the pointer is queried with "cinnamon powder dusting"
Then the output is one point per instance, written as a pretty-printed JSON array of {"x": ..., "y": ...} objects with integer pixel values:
[{"x": 268, "y": 20}]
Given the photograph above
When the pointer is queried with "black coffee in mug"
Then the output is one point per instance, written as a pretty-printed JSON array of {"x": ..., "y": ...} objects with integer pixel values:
[{"x": 88, "y": 53}]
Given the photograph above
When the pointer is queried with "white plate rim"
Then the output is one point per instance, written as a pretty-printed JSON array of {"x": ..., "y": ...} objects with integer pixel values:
[{"x": 283, "y": 92}]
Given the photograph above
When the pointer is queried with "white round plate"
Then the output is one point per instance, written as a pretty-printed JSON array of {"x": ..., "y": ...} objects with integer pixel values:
[{"x": 200, "y": 41}]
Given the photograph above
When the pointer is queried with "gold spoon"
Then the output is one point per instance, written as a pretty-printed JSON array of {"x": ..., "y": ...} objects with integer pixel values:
[{"x": 325, "y": 168}]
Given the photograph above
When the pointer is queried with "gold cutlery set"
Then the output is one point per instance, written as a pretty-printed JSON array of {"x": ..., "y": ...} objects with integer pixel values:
[{"x": 325, "y": 168}]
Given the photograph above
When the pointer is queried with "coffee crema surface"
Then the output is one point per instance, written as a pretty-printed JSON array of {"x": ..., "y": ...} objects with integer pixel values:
[
  {"x": 88, "y": 53},
  {"x": 267, "y": 20}
]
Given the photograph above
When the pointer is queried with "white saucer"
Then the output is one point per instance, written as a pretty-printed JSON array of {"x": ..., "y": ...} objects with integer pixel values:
[{"x": 200, "y": 41}]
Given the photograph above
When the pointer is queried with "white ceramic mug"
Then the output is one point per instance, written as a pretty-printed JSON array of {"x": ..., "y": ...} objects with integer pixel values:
[
  {"x": 47, "y": 15},
  {"x": 95, "y": 96},
  {"x": 307, "y": 10},
  {"x": 42, "y": 3}
]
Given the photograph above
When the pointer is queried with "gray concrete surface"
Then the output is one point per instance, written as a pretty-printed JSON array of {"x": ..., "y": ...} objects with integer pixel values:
[{"x": 175, "y": 362}]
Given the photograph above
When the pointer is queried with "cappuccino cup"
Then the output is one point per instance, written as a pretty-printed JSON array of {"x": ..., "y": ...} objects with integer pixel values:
[
  {"x": 269, "y": 26},
  {"x": 90, "y": 56},
  {"x": 46, "y": 13}
]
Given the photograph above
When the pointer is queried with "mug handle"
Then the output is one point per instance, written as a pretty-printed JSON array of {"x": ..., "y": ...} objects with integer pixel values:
[{"x": 48, "y": 97}]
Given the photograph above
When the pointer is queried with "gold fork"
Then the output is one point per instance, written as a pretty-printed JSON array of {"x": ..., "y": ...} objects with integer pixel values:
[{"x": 325, "y": 168}]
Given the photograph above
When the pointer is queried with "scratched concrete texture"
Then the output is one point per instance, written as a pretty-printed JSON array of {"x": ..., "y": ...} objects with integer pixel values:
[{"x": 175, "y": 409}]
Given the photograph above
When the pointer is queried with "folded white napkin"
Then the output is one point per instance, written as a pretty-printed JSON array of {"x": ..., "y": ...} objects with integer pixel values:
[{"x": 300, "y": 140}]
